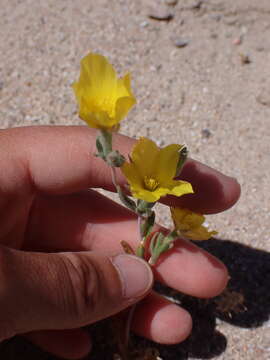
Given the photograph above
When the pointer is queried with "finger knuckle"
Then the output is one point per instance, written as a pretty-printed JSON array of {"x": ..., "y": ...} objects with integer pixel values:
[{"x": 84, "y": 281}]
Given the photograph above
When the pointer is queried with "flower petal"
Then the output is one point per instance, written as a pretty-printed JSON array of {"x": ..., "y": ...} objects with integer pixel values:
[
  {"x": 185, "y": 219},
  {"x": 98, "y": 75},
  {"x": 95, "y": 119},
  {"x": 167, "y": 162},
  {"x": 143, "y": 194},
  {"x": 201, "y": 233},
  {"x": 179, "y": 188},
  {"x": 131, "y": 174},
  {"x": 144, "y": 155},
  {"x": 123, "y": 105},
  {"x": 124, "y": 88}
]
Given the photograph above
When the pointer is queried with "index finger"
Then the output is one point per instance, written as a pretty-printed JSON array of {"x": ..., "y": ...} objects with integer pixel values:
[{"x": 60, "y": 160}]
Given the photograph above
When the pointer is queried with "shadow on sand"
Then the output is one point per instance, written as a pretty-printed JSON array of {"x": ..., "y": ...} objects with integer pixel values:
[{"x": 247, "y": 299}]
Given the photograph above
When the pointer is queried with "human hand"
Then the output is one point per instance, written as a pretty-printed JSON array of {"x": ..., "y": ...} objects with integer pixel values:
[{"x": 59, "y": 241}]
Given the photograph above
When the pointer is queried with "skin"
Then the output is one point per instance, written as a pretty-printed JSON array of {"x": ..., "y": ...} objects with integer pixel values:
[{"x": 49, "y": 214}]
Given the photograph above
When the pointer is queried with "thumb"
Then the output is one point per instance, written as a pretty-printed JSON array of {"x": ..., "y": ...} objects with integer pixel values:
[{"x": 66, "y": 290}]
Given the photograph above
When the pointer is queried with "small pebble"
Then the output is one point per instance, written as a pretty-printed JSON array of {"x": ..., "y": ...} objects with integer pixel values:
[
  {"x": 197, "y": 5},
  {"x": 171, "y": 2},
  {"x": 42, "y": 20},
  {"x": 206, "y": 133},
  {"x": 213, "y": 35},
  {"x": 160, "y": 142},
  {"x": 144, "y": 24},
  {"x": 244, "y": 30},
  {"x": 194, "y": 108},
  {"x": 156, "y": 67},
  {"x": 180, "y": 43},
  {"x": 245, "y": 59},
  {"x": 264, "y": 98},
  {"x": 160, "y": 14},
  {"x": 231, "y": 21},
  {"x": 237, "y": 41},
  {"x": 216, "y": 17}
]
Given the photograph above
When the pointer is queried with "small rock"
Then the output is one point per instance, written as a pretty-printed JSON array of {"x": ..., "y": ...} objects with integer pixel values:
[
  {"x": 171, "y": 2},
  {"x": 264, "y": 98},
  {"x": 244, "y": 30},
  {"x": 1, "y": 85},
  {"x": 216, "y": 17},
  {"x": 194, "y": 108},
  {"x": 156, "y": 67},
  {"x": 161, "y": 14},
  {"x": 245, "y": 59},
  {"x": 180, "y": 43},
  {"x": 231, "y": 21},
  {"x": 206, "y": 133},
  {"x": 237, "y": 41},
  {"x": 182, "y": 98},
  {"x": 213, "y": 35},
  {"x": 197, "y": 5},
  {"x": 260, "y": 48},
  {"x": 144, "y": 24},
  {"x": 160, "y": 143}
]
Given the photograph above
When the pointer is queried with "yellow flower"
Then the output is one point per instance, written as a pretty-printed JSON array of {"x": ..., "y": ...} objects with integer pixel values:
[
  {"x": 151, "y": 171},
  {"x": 103, "y": 99},
  {"x": 190, "y": 224}
]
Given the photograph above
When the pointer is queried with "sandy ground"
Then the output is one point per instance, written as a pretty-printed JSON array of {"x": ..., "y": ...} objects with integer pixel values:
[{"x": 213, "y": 94}]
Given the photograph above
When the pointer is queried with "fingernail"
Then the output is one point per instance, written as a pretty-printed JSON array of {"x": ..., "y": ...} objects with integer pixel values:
[{"x": 135, "y": 275}]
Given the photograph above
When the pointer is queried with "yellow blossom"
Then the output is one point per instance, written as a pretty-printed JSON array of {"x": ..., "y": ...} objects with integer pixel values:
[
  {"x": 190, "y": 224},
  {"x": 151, "y": 171},
  {"x": 103, "y": 99}
]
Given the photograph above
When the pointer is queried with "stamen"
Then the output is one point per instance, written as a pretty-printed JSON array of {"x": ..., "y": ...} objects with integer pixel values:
[{"x": 150, "y": 183}]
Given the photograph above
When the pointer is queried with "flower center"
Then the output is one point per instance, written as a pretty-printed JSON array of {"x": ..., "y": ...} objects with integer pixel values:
[{"x": 150, "y": 183}]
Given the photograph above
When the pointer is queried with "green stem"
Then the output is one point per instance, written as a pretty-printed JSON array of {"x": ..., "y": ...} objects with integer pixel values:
[
  {"x": 160, "y": 244},
  {"x": 113, "y": 174},
  {"x": 130, "y": 204},
  {"x": 106, "y": 141}
]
